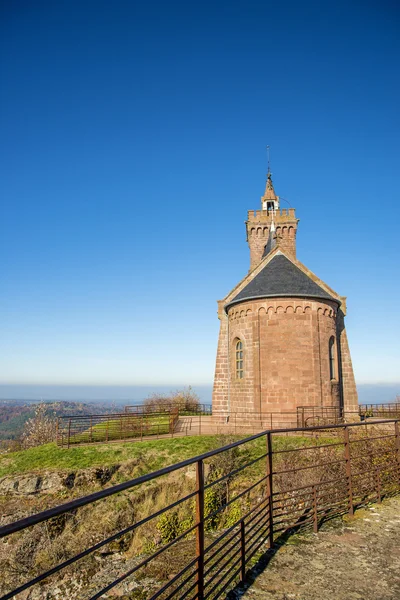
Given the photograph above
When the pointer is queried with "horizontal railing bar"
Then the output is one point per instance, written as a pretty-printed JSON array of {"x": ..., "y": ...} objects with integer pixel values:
[
  {"x": 294, "y": 470},
  {"x": 327, "y": 495},
  {"x": 293, "y": 498},
  {"x": 306, "y": 514},
  {"x": 287, "y": 513},
  {"x": 371, "y": 439},
  {"x": 304, "y": 487},
  {"x": 325, "y": 507},
  {"x": 301, "y": 448},
  {"x": 368, "y": 472}
]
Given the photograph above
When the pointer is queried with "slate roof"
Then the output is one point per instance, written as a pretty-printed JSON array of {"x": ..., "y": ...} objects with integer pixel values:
[{"x": 280, "y": 277}]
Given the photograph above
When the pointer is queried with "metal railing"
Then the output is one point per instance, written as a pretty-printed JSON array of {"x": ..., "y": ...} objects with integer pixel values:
[
  {"x": 230, "y": 505},
  {"x": 390, "y": 410},
  {"x": 308, "y": 416},
  {"x": 87, "y": 429},
  {"x": 184, "y": 408},
  {"x": 139, "y": 423}
]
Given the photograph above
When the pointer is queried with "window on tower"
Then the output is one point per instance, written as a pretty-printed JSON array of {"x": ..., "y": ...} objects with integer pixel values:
[
  {"x": 332, "y": 367},
  {"x": 239, "y": 359}
]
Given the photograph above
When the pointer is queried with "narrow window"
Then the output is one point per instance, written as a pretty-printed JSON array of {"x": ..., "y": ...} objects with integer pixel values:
[
  {"x": 332, "y": 369},
  {"x": 239, "y": 359}
]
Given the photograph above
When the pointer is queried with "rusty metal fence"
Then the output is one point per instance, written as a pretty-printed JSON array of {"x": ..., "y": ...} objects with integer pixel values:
[
  {"x": 390, "y": 410},
  {"x": 88, "y": 429},
  {"x": 140, "y": 423},
  {"x": 214, "y": 514}
]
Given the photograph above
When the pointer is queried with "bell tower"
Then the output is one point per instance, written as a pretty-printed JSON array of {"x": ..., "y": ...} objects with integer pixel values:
[{"x": 270, "y": 221}]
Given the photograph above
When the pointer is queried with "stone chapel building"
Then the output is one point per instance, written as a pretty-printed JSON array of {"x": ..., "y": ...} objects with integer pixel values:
[{"x": 282, "y": 341}]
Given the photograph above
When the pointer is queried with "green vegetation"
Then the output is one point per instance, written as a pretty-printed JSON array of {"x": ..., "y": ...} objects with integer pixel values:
[
  {"x": 150, "y": 455},
  {"x": 125, "y": 427},
  {"x": 154, "y": 454}
]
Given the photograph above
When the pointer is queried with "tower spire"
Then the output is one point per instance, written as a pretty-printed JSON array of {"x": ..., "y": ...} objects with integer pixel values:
[{"x": 270, "y": 201}]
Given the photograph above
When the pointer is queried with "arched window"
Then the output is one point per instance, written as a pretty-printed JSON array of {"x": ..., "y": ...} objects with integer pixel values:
[
  {"x": 332, "y": 367},
  {"x": 239, "y": 359}
]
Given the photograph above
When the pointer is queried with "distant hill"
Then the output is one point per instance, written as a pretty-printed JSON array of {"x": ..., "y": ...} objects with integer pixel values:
[{"x": 15, "y": 413}]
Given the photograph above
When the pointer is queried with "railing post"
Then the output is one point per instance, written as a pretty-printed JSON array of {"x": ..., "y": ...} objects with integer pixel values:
[
  {"x": 242, "y": 552},
  {"x": 69, "y": 432},
  {"x": 120, "y": 428},
  {"x": 348, "y": 470},
  {"x": 200, "y": 529},
  {"x": 315, "y": 509},
  {"x": 91, "y": 430},
  {"x": 378, "y": 485},
  {"x": 141, "y": 428},
  {"x": 397, "y": 442},
  {"x": 270, "y": 491},
  {"x": 107, "y": 428}
]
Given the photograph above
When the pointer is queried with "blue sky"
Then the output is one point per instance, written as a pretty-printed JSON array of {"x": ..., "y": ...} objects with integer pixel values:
[{"x": 133, "y": 143}]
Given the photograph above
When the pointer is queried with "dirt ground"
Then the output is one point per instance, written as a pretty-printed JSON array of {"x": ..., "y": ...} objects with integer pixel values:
[{"x": 350, "y": 559}]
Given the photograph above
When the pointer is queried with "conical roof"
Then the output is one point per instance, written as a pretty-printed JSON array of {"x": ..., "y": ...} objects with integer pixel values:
[
  {"x": 269, "y": 193},
  {"x": 281, "y": 278}
]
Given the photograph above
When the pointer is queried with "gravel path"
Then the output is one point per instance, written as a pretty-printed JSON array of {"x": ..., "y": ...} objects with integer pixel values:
[{"x": 350, "y": 559}]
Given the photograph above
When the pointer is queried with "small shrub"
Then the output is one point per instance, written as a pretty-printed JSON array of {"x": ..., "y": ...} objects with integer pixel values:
[
  {"x": 168, "y": 526},
  {"x": 40, "y": 429},
  {"x": 186, "y": 399},
  {"x": 233, "y": 514}
]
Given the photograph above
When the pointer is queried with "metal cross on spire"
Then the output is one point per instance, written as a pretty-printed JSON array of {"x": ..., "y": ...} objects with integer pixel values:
[{"x": 269, "y": 170}]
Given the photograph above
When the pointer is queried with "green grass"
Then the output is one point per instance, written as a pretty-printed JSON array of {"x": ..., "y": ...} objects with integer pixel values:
[
  {"x": 112, "y": 429},
  {"x": 155, "y": 453},
  {"x": 150, "y": 455}
]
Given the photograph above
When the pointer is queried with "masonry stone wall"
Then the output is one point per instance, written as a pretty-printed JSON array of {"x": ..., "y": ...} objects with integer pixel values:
[
  {"x": 286, "y": 357},
  {"x": 258, "y": 229}
]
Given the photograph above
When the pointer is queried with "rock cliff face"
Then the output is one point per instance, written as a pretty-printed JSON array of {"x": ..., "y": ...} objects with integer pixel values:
[{"x": 53, "y": 482}]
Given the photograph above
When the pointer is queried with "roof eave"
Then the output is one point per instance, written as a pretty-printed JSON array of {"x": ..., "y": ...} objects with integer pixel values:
[{"x": 305, "y": 296}]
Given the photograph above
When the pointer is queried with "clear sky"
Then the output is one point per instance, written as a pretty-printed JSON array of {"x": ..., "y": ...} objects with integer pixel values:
[{"x": 132, "y": 144}]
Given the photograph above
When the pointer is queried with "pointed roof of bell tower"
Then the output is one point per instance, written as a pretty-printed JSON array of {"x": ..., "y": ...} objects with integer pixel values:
[
  {"x": 270, "y": 200},
  {"x": 269, "y": 193}
]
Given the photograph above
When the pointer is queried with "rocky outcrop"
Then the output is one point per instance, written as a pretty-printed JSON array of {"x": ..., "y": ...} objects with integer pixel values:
[{"x": 53, "y": 482}]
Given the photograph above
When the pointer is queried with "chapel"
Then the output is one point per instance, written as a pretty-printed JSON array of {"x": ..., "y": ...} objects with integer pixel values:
[{"x": 282, "y": 341}]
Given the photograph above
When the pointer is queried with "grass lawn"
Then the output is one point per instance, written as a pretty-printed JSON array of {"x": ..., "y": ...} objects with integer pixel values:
[
  {"x": 119, "y": 429},
  {"x": 150, "y": 455}
]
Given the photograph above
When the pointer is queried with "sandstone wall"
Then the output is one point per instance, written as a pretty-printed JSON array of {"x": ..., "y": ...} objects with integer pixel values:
[{"x": 286, "y": 346}]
